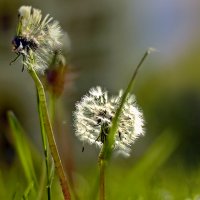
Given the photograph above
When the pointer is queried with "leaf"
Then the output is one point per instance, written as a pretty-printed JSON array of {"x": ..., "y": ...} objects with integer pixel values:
[
  {"x": 22, "y": 147},
  {"x": 107, "y": 149}
]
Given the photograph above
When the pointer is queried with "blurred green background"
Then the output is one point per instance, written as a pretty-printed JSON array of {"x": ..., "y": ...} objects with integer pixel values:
[{"x": 107, "y": 39}]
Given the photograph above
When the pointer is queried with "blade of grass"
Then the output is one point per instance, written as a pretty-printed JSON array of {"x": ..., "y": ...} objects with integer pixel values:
[
  {"x": 22, "y": 147},
  {"x": 106, "y": 150},
  {"x": 45, "y": 148}
]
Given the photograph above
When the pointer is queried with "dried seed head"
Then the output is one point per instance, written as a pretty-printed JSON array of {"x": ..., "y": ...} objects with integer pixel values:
[
  {"x": 93, "y": 119},
  {"x": 36, "y": 39}
]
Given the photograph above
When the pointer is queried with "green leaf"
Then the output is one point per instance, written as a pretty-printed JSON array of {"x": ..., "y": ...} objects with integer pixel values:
[
  {"x": 107, "y": 148},
  {"x": 22, "y": 147}
]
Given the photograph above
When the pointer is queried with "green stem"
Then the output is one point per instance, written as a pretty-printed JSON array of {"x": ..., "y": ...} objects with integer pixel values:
[
  {"x": 51, "y": 106},
  {"x": 46, "y": 150},
  {"x": 49, "y": 131},
  {"x": 52, "y": 102}
]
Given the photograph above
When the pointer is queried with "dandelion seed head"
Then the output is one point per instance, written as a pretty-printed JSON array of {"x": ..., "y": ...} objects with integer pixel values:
[
  {"x": 37, "y": 38},
  {"x": 94, "y": 114}
]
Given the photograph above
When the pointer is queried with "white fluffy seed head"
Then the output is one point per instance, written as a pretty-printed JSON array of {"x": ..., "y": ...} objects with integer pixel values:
[
  {"x": 93, "y": 119},
  {"x": 37, "y": 38}
]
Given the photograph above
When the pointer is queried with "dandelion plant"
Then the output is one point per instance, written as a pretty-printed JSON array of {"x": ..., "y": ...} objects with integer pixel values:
[
  {"x": 36, "y": 40},
  {"x": 112, "y": 123}
]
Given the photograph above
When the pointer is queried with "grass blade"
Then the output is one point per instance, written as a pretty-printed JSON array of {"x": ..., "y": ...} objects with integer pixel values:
[
  {"x": 107, "y": 149},
  {"x": 22, "y": 147},
  {"x": 45, "y": 148}
]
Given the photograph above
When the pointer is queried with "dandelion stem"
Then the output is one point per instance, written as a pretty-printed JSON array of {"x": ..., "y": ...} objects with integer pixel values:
[
  {"x": 102, "y": 166},
  {"x": 49, "y": 131},
  {"x": 52, "y": 104},
  {"x": 102, "y": 180}
]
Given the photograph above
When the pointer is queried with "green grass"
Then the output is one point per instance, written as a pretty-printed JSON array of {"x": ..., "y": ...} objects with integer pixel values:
[
  {"x": 157, "y": 174},
  {"x": 152, "y": 176}
]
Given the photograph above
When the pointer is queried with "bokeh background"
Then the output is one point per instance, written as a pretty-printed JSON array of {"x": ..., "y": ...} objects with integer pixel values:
[{"x": 107, "y": 39}]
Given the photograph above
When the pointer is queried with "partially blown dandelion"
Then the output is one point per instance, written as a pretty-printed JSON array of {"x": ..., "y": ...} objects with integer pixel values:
[
  {"x": 36, "y": 41},
  {"x": 93, "y": 119},
  {"x": 36, "y": 38}
]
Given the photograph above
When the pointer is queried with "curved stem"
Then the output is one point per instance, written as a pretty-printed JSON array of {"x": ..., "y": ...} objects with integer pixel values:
[{"x": 49, "y": 131}]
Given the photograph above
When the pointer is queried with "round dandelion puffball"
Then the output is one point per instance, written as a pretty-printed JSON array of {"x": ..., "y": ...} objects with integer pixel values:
[
  {"x": 37, "y": 38},
  {"x": 93, "y": 119}
]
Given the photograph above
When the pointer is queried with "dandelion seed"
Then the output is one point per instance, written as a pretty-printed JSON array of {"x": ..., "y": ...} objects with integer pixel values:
[
  {"x": 93, "y": 119},
  {"x": 36, "y": 38}
]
